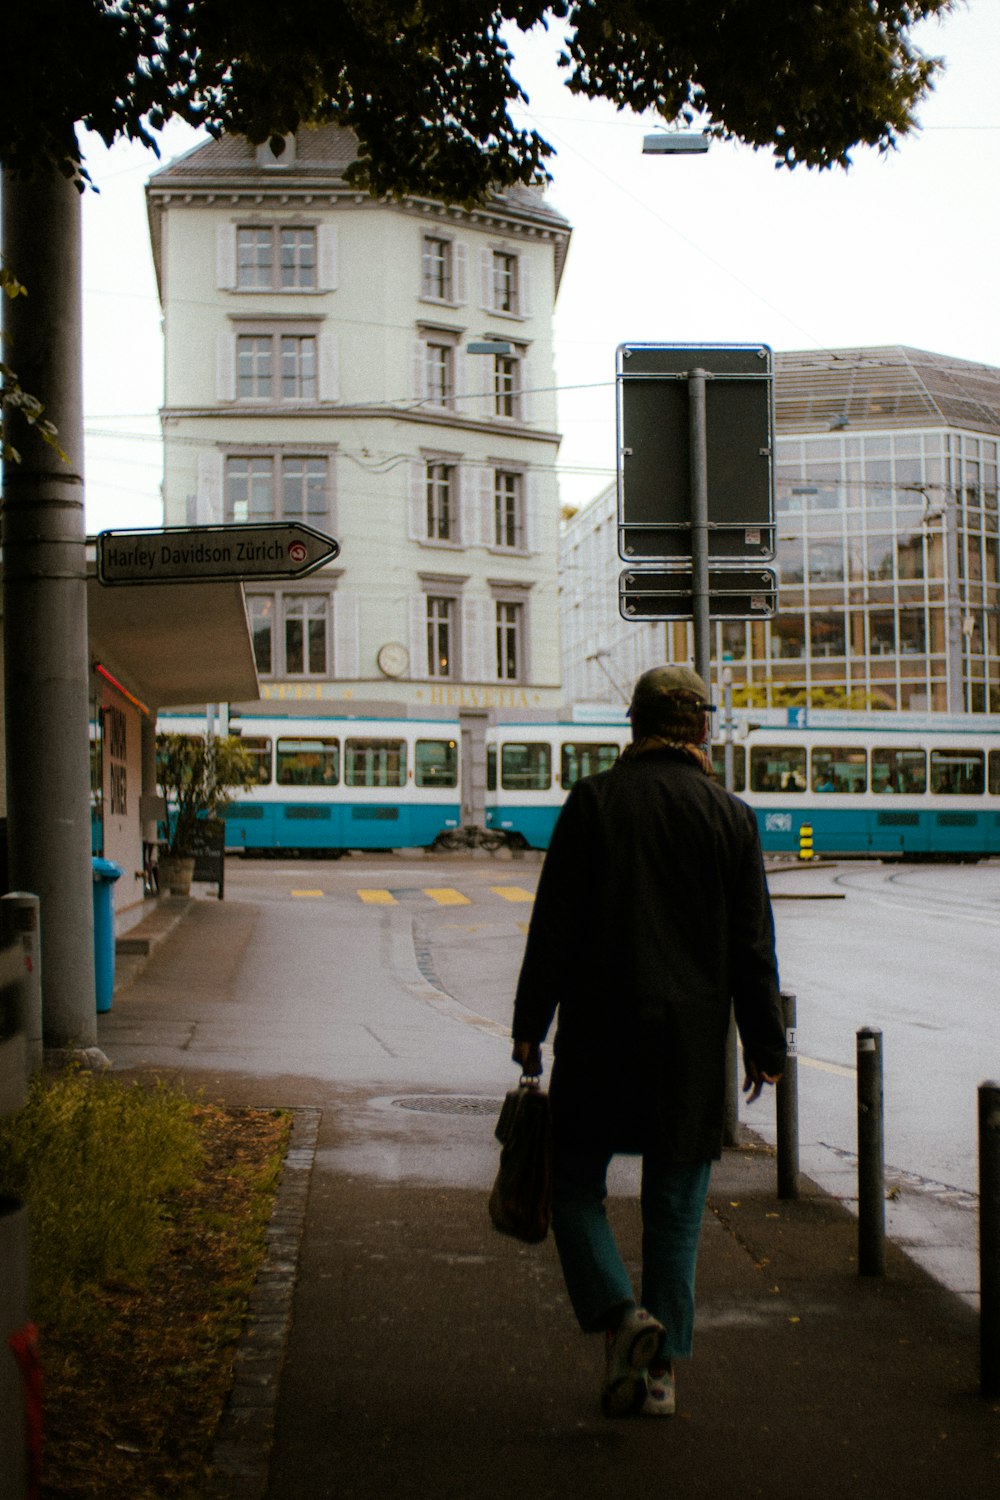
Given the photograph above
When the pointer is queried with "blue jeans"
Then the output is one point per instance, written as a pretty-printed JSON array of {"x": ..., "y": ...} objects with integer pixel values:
[{"x": 673, "y": 1201}]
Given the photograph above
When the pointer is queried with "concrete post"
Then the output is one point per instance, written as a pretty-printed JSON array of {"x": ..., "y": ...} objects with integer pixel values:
[{"x": 45, "y": 603}]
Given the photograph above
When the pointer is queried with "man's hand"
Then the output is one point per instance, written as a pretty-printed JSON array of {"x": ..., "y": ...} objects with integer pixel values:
[
  {"x": 529, "y": 1056},
  {"x": 754, "y": 1080}
]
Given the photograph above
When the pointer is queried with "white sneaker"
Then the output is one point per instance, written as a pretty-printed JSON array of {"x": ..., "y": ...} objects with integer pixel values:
[{"x": 628, "y": 1351}]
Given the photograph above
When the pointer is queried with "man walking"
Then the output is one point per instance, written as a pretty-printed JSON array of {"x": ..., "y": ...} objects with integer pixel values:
[{"x": 651, "y": 920}]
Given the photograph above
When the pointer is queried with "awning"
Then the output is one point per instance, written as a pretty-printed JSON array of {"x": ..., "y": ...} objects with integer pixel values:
[{"x": 174, "y": 645}]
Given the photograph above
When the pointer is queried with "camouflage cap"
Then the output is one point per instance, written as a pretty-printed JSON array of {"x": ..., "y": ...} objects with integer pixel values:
[{"x": 660, "y": 683}]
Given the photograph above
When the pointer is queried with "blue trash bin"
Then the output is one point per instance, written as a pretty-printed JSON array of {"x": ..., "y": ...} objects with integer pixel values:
[{"x": 106, "y": 872}]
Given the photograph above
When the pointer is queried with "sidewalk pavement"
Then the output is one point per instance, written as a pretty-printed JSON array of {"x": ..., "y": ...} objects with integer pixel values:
[{"x": 422, "y": 1354}]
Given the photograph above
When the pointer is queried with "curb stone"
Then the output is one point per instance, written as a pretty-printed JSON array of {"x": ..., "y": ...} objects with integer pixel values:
[{"x": 241, "y": 1452}]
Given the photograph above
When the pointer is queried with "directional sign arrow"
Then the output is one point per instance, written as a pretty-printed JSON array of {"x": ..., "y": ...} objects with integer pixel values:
[{"x": 212, "y": 554}]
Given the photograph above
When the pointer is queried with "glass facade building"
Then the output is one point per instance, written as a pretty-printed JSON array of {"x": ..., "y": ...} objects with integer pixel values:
[{"x": 887, "y": 545}]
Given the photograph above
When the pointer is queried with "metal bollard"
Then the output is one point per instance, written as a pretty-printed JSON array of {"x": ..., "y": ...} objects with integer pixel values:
[
  {"x": 871, "y": 1154},
  {"x": 731, "y": 1101},
  {"x": 989, "y": 1238},
  {"x": 786, "y": 1103},
  {"x": 19, "y": 926}
]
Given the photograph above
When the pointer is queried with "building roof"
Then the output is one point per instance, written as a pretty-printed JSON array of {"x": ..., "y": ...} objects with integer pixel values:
[
  {"x": 887, "y": 387},
  {"x": 315, "y": 161}
]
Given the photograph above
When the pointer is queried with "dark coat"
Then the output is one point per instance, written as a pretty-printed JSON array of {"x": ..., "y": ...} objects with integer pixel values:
[{"x": 651, "y": 916}]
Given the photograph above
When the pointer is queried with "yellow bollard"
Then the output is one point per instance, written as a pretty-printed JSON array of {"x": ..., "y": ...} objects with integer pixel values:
[{"x": 806, "y": 841}]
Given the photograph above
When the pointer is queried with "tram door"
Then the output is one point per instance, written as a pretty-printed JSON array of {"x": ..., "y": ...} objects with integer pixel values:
[{"x": 472, "y": 728}]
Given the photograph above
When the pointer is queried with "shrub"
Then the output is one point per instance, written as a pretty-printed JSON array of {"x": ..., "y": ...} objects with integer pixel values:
[{"x": 95, "y": 1160}]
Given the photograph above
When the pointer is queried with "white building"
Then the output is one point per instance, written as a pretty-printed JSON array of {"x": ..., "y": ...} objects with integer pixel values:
[
  {"x": 888, "y": 553},
  {"x": 321, "y": 367}
]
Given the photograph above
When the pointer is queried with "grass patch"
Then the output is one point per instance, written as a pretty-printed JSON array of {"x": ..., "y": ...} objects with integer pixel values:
[{"x": 140, "y": 1308}]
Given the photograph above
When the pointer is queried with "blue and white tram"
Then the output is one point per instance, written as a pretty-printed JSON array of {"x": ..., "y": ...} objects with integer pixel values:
[
  {"x": 333, "y": 784},
  {"x": 899, "y": 792}
]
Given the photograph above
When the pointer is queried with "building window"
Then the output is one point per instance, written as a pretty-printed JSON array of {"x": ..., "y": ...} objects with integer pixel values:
[
  {"x": 261, "y": 611},
  {"x": 439, "y": 374},
  {"x": 306, "y": 635},
  {"x": 505, "y": 282},
  {"x": 506, "y": 386},
  {"x": 438, "y": 272},
  {"x": 440, "y": 490},
  {"x": 272, "y": 367},
  {"x": 508, "y": 509},
  {"x": 509, "y": 627},
  {"x": 440, "y": 636},
  {"x": 270, "y": 487},
  {"x": 276, "y": 258}
]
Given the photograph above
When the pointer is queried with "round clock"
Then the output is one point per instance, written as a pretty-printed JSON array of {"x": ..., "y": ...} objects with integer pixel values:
[{"x": 393, "y": 659}]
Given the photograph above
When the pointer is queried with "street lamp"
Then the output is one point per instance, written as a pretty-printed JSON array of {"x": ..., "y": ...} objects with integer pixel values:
[{"x": 675, "y": 143}]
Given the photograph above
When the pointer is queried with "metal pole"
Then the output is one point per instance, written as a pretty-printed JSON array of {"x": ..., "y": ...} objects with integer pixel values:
[
  {"x": 698, "y": 432},
  {"x": 47, "y": 667},
  {"x": 871, "y": 1154},
  {"x": 786, "y": 1101},
  {"x": 728, "y": 726},
  {"x": 989, "y": 1238},
  {"x": 731, "y": 1098},
  {"x": 19, "y": 925}
]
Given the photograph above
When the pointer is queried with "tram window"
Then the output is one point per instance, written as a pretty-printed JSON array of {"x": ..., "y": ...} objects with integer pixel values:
[
  {"x": 491, "y": 768},
  {"x": 739, "y": 765},
  {"x": 526, "y": 767},
  {"x": 582, "y": 759},
  {"x": 374, "y": 762},
  {"x": 957, "y": 773},
  {"x": 778, "y": 768},
  {"x": 259, "y": 751},
  {"x": 836, "y": 769},
  {"x": 899, "y": 771},
  {"x": 994, "y": 773},
  {"x": 436, "y": 763},
  {"x": 308, "y": 762}
]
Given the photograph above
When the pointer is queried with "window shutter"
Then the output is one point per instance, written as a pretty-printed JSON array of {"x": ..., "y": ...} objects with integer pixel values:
[
  {"x": 416, "y": 497},
  {"x": 463, "y": 389},
  {"x": 486, "y": 278},
  {"x": 345, "y": 633},
  {"x": 461, "y": 271},
  {"x": 532, "y": 511},
  {"x": 208, "y": 502},
  {"x": 476, "y": 660},
  {"x": 329, "y": 367},
  {"x": 525, "y": 287},
  {"x": 326, "y": 257},
  {"x": 471, "y": 508},
  {"x": 225, "y": 257},
  {"x": 526, "y": 394},
  {"x": 418, "y": 635},
  {"x": 487, "y": 529},
  {"x": 418, "y": 370},
  {"x": 225, "y": 367}
]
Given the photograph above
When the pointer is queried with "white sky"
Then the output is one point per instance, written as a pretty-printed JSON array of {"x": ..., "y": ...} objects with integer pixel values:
[{"x": 717, "y": 248}]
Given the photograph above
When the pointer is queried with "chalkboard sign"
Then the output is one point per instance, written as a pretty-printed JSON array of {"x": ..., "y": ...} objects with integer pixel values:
[{"x": 208, "y": 845}]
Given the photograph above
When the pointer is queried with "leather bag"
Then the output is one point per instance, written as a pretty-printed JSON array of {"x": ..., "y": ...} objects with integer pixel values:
[{"x": 521, "y": 1201}]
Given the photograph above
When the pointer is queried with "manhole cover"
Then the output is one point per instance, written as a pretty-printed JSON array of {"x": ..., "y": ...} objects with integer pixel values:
[{"x": 449, "y": 1104}]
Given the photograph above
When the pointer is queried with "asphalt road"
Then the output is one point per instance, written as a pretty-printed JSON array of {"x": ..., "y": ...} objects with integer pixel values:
[{"x": 908, "y": 949}]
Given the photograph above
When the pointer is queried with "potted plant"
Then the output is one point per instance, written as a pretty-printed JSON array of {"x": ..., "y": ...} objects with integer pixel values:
[{"x": 197, "y": 777}]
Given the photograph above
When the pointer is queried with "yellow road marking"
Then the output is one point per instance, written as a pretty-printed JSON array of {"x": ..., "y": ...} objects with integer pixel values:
[
  {"x": 308, "y": 893},
  {"x": 444, "y": 895},
  {"x": 512, "y": 892},
  {"x": 523, "y": 926},
  {"x": 377, "y": 898}
]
